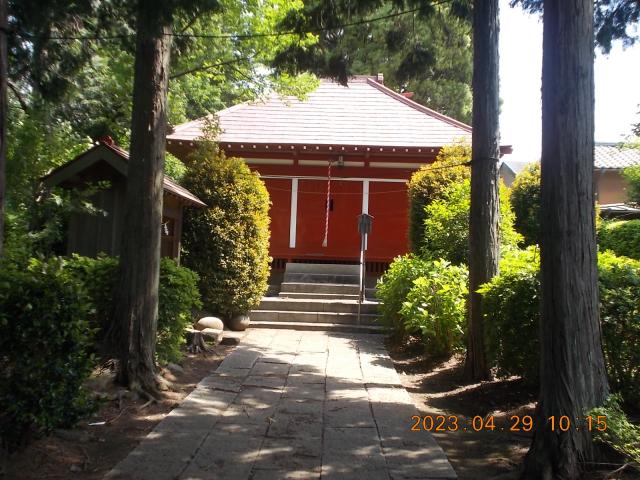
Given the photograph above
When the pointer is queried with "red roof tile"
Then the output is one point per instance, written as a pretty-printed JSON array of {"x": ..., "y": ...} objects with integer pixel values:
[{"x": 364, "y": 113}]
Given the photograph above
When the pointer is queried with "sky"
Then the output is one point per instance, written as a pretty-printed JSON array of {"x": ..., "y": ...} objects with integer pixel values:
[{"x": 616, "y": 82}]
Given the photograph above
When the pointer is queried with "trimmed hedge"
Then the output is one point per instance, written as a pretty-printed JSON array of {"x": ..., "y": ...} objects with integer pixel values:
[
  {"x": 227, "y": 244},
  {"x": 430, "y": 182},
  {"x": 512, "y": 319},
  {"x": 45, "y": 340},
  {"x": 178, "y": 297},
  {"x": 622, "y": 237}
]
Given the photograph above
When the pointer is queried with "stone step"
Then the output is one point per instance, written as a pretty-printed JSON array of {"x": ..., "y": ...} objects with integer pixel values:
[
  {"x": 322, "y": 278},
  {"x": 322, "y": 269},
  {"x": 319, "y": 296},
  {"x": 303, "y": 287},
  {"x": 317, "y": 305},
  {"x": 328, "y": 327},
  {"x": 311, "y": 317}
]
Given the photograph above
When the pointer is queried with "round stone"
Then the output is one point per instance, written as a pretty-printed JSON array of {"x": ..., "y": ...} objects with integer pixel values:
[
  {"x": 239, "y": 323},
  {"x": 209, "y": 322}
]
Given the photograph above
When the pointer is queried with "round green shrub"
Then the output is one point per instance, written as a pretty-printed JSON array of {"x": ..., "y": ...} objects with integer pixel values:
[
  {"x": 435, "y": 307},
  {"x": 429, "y": 183},
  {"x": 622, "y": 237},
  {"x": 178, "y": 297},
  {"x": 513, "y": 314},
  {"x": 446, "y": 224},
  {"x": 227, "y": 243},
  {"x": 393, "y": 288},
  {"x": 511, "y": 304},
  {"x": 45, "y": 340},
  {"x": 525, "y": 201}
]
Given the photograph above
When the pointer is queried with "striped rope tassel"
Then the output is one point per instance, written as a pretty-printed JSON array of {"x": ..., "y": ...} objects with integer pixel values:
[{"x": 326, "y": 219}]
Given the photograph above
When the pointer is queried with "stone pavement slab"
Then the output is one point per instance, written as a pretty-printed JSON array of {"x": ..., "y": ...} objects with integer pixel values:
[{"x": 291, "y": 404}]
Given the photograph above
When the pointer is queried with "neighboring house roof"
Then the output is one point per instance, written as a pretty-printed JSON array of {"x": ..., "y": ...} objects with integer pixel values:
[
  {"x": 118, "y": 159},
  {"x": 366, "y": 113},
  {"x": 515, "y": 166},
  {"x": 613, "y": 156}
]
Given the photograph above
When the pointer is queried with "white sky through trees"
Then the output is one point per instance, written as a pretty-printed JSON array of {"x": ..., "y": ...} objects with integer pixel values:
[{"x": 616, "y": 79}]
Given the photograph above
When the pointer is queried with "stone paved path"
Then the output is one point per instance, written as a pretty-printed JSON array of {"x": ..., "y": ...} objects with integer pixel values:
[{"x": 292, "y": 404}]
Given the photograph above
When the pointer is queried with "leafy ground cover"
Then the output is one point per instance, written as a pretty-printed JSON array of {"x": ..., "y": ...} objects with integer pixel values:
[
  {"x": 437, "y": 387},
  {"x": 88, "y": 452}
]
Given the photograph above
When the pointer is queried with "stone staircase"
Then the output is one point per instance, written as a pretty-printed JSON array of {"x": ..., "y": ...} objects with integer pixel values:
[{"x": 318, "y": 297}]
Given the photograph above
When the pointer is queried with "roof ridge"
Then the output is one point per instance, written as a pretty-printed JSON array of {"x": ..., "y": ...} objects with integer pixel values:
[{"x": 417, "y": 106}]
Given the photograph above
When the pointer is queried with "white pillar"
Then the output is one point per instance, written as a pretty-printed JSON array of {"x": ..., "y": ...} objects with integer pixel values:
[{"x": 294, "y": 213}]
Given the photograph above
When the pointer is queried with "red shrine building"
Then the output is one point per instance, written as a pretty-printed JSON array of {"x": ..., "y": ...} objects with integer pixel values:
[{"x": 326, "y": 159}]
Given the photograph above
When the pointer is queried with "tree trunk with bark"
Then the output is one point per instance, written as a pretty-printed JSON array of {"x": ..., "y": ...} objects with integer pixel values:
[
  {"x": 572, "y": 376},
  {"x": 137, "y": 307},
  {"x": 484, "y": 243},
  {"x": 3, "y": 117}
]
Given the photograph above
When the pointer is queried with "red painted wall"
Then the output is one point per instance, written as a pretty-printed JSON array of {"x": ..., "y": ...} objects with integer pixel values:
[{"x": 387, "y": 203}]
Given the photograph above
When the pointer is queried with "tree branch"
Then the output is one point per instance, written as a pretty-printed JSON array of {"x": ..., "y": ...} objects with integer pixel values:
[
  {"x": 18, "y": 95},
  {"x": 203, "y": 67}
]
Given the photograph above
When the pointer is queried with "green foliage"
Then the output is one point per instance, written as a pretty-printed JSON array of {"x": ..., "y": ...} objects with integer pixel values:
[
  {"x": 429, "y": 184},
  {"x": 511, "y": 305},
  {"x": 512, "y": 319},
  {"x": 394, "y": 286},
  {"x": 525, "y": 200},
  {"x": 632, "y": 176},
  {"x": 227, "y": 244},
  {"x": 44, "y": 343},
  {"x": 427, "y": 52},
  {"x": 174, "y": 168},
  {"x": 620, "y": 434},
  {"x": 178, "y": 297},
  {"x": 436, "y": 307},
  {"x": 622, "y": 237},
  {"x": 446, "y": 226},
  {"x": 619, "y": 281}
]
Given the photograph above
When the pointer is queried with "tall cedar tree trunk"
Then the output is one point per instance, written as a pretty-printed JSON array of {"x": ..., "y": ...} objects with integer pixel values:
[
  {"x": 137, "y": 307},
  {"x": 572, "y": 375},
  {"x": 3, "y": 118},
  {"x": 484, "y": 244}
]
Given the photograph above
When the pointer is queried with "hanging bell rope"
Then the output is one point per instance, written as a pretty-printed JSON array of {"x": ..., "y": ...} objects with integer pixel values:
[{"x": 326, "y": 218}]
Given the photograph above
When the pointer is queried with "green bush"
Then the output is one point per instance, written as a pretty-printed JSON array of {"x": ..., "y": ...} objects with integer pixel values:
[
  {"x": 436, "y": 307},
  {"x": 178, "y": 297},
  {"x": 428, "y": 184},
  {"x": 227, "y": 244},
  {"x": 525, "y": 201},
  {"x": 511, "y": 305},
  {"x": 619, "y": 280},
  {"x": 446, "y": 224},
  {"x": 394, "y": 286},
  {"x": 44, "y": 350},
  {"x": 622, "y": 237},
  {"x": 512, "y": 319},
  {"x": 632, "y": 176}
]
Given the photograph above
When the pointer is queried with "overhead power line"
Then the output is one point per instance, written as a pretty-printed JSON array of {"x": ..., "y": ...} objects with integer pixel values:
[{"x": 235, "y": 36}]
